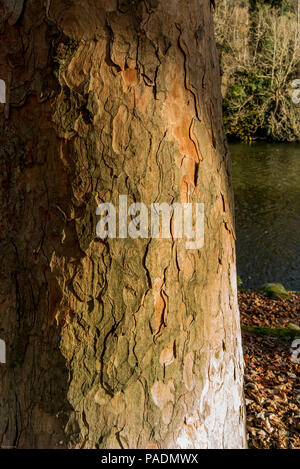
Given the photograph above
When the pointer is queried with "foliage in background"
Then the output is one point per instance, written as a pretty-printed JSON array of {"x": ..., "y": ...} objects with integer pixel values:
[{"x": 259, "y": 48}]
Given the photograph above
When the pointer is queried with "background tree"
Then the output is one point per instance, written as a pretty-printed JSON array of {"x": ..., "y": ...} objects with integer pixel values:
[
  {"x": 117, "y": 343},
  {"x": 259, "y": 48}
]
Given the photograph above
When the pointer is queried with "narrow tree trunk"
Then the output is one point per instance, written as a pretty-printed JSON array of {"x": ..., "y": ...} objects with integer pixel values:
[{"x": 121, "y": 343}]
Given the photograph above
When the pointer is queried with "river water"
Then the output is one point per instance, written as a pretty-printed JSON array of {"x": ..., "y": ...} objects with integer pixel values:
[{"x": 266, "y": 180}]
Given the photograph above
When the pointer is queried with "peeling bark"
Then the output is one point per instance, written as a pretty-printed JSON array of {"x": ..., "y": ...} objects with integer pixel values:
[{"x": 120, "y": 343}]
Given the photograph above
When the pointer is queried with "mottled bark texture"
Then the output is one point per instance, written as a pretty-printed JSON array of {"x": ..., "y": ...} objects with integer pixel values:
[{"x": 122, "y": 343}]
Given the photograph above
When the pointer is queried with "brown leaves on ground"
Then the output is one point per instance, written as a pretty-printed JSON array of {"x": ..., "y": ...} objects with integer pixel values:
[
  {"x": 272, "y": 385},
  {"x": 257, "y": 309}
]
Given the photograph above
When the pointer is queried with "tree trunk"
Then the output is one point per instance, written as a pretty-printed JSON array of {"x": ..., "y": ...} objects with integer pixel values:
[{"x": 116, "y": 343}]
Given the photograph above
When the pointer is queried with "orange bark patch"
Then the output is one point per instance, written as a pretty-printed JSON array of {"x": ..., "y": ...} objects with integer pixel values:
[
  {"x": 159, "y": 304},
  {"x": 152, "y": 445},
  {"x": 130, "y": 77},
  {"x": 179, "y": 111}
]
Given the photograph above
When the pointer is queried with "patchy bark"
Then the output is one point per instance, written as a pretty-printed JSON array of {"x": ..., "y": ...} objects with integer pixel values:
[{"x": 120, "y": 343}]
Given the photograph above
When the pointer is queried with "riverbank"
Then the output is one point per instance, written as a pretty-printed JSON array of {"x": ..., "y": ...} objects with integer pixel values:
[{"x": 272, "y": 385}]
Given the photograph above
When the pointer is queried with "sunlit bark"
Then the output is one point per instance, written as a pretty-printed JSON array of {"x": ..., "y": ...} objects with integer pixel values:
[{"x": 124, "y": 342}]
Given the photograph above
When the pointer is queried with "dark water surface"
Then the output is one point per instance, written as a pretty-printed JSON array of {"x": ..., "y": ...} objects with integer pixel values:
[{"x": 266, "y": 180}]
